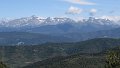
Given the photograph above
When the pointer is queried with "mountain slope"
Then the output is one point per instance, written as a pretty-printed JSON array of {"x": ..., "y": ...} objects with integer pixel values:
[
  {"x": 97, "y": 60},
  {"x": 17, "y": 56},
  {"x": 12, "y": 38},
  {"x": 74, "y": 61},
  {"x": 112, "y": 33},
  {"x": 38, "y": 38}
]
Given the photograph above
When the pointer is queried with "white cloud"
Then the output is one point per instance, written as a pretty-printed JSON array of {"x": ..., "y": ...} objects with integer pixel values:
[
  {"x": 114, "y": 18},
  {"x": 93, "y": 12},
  {"x": 74, "y": 10},
  {"x": 78, "y": 18},
  {"x": 81, "y": 2}
]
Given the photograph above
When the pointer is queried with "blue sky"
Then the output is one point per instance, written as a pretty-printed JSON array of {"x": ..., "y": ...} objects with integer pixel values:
[{"x": 56, "y": 8}]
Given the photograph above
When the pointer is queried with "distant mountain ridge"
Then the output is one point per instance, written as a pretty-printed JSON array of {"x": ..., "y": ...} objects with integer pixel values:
[
  {"x": 37, "y": 30},
  {"x": 34, "y": 21},
  {"x": 58, "y": 25}
]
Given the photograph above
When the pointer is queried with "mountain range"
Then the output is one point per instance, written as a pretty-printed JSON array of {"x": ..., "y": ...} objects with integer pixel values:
[
  {"x": 33, "y": 42},
  {"x": 37, "y": 30},
  {"x": 55, "y": 25}
]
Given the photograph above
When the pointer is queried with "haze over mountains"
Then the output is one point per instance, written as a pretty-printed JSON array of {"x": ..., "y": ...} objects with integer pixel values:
[{"x": 34, "y": 29}]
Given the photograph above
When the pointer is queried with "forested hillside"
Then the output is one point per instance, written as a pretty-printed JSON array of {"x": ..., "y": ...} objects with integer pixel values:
[
  {"x": 18, "y": 56},
  {"x": 105, "y": 59}
]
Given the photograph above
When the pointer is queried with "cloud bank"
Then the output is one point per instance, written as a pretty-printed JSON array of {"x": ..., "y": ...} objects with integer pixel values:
[{"x": 74, "y": 10}]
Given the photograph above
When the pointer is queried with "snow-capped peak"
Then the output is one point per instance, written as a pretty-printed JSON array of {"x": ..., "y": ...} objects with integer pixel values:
[{"x": 35, "y": 21}]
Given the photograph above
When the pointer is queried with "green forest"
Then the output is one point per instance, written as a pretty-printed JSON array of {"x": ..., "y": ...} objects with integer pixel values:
[{"x": 94, "y": 53}]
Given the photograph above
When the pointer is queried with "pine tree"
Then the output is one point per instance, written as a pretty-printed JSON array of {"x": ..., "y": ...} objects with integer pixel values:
[
  {"x": 112, "y": 59},
  {"x": 2, "y": 65}
]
